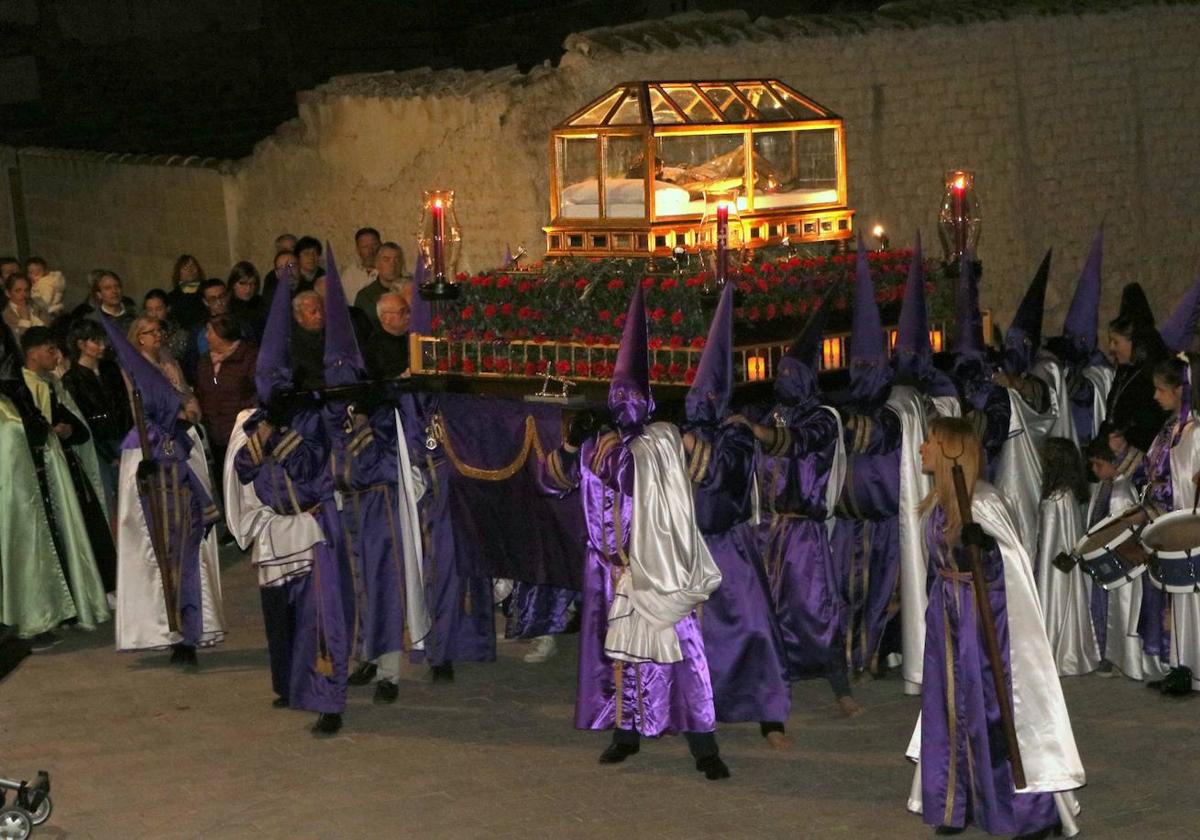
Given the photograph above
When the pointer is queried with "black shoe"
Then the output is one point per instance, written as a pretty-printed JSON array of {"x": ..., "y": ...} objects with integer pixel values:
[
  {"x": 1178, "y": 682},
  {"x": 617, "y": 752},
  {"x": 184, "y": 655},
  {"x": 712, "y": 767},
  {"x": 225, "y": 539},
  {"x": 386, "y": 692},
  {"x": 1049, "y": 831},
  {"x": 280, "y": 703},
  {"x": 327, "y": 724},
  {"x": 363, "y": 674},
  {"x": 947, "y": 831},
  {"x": 443, "y": 672},
  {"x": 44, "y": 641}
]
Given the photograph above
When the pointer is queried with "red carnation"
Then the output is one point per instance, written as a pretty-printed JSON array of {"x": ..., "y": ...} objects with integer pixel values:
[
  {"x": 762, "y": 285},
  {"x": 676, "y": 342},
  {"x": 677, "y": 317},
  {"x": 658, "y": 314},
  {"x": 524, "y": 312},
  {"x": 693, "y": 282},
  {"x": 506, "y": 308},
  {"x": 616, "y": 283},
  {"x": 668, "y": 284},
  {"x": 675, "y": 370},
  {"x": 503, "y": 282},
  {"x": 647, "y": 282},
  {"x": 563, "y": 367},
  {"x": 654, "y": 343},
  {"x": 603, "y": 314},
  {"x": 698, "y": 342},
  {"x": 581, "y": 284},
  {"x": 489, "y": 311},
  {"x": 656, "y": 371},
  {"x": 581, "y": 368}
]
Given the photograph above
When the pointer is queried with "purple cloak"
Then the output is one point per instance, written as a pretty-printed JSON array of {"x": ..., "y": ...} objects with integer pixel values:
[
  {"x": 866, "y": 536},
  {"x": 291, "y": 474},
  {"x": 742, "y": 641},
  {"x": 965, "y": 774},
  {"x": 804, "y": 582},
  {"x": 648, "y": 698},
  {"x": 538, "y": 610}
]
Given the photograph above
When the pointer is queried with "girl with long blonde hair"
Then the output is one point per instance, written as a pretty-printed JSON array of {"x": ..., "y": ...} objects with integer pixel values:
[{"x": 964, "y": 776}]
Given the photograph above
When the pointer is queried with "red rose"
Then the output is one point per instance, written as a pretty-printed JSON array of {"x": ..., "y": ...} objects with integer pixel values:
[
  {"x": 656, "y": 371},
  {"x": 524, "y": 286},
  {"x": 752, "y": 313},
  {"x": 689, "y": 376},
  {"x": 676, "y": 342},
  {"x": 581, "y": 368},
  {"x": 581, "y": 284},
  {"x": 485, "y": 281},
  {"x": 489, "y": 335},
  {"x": 770, "y": 311},
  {"x": 616, "y": 283},
  {"x": 654, "y": 343},
  {"x": 503, "y": 281},
  {"x": 506, "y": 308},
  {"x": 658, "y": 314},
  {"x": 487, "y": 363},
  {"x": 698, "y": 342},
  {"x": 693, "y": 282},
  {"x": 762, "y": 285},
  {"x": 524, "y": 312},
  {"x": 467, "y": 313},
  {"x": 443, "y": 365},
  {"x": 489, "y": 311},
  {"x": 677, "y": 317},
  {"x": 503, "y": 365},
  {"x": 675, "y": 370},
  {"x": 787, "y": 307},
  {"x": 603, "y": 314},
  {"x": 435, "y": 322},
  {"x": 668, "y": 284},
  {"x": 530, "y": 368},
  {"x": 647, "y": 283},
  {"x": 563, "y": 367},
  {"x": 802, "y": 307}
]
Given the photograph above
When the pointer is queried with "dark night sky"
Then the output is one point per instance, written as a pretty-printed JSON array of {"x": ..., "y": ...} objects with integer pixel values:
[{"x": 212, "y": 78}]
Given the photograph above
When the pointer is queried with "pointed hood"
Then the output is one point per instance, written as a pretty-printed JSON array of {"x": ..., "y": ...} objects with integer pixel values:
[
  {"x": 966, "y": 309},
  {"x": 420, "y": 312},
  {"x": 708, "y": 399},
  {"x": 1180, "y": 328},
  {"x": 1080, "y": 326},
  {"x": 629, "y": 396},
  {"x": 870, "y": 374},
  {"x": 1024, "y": 334},
  {"x": 1135, "y": 307},
  {"x": 160, "y": 400},
  {"x": 508, "y": 259},
  {"x": 796, "y": 384},
  {"x": 913, "y": 355},
  {"x": 343, "y": 363},
  {"x": 273, "y": 370}
]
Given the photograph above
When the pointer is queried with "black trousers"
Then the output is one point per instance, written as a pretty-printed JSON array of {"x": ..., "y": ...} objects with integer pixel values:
[{"x": 280, "y": 620}]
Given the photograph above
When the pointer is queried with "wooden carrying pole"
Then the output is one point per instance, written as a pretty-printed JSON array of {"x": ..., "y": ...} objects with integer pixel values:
[
  {"x": 987, "y": 621},
  {"x": 147, "y": 489}
]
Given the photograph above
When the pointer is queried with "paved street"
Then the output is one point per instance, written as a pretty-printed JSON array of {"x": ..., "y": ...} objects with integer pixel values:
[{"x": 139, "y": 750}]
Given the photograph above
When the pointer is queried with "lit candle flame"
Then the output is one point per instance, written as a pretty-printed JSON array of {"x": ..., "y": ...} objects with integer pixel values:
[
  {"x": 877, "y": 231},
  {"x": 960, "y": 181}
]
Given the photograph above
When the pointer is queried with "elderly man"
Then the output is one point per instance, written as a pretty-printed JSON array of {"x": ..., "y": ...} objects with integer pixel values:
[
  {"x": 359, "y": 274},
  {"x": 388, "y": 261},
  {"x": 308, "y": 340},
  {"x": 387, "y": 351}
]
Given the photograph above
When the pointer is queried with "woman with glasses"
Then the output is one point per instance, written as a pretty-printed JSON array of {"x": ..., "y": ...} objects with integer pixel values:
[
  {"x": 245, "y": 302},
  {"x": 157, "y": 305},
  {"x": 148, "y": 336}
]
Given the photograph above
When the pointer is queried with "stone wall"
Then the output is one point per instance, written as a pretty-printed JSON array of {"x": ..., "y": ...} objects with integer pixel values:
[
  {"x": 131, "y": 215},
  {"x": 1067, "y": 120}
]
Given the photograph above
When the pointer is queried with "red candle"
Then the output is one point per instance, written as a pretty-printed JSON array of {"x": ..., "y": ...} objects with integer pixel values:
[
  {"x": 722, "y": 242},
  {"x": 439, "y": 236},
  {"x": 960, "y": 223}
]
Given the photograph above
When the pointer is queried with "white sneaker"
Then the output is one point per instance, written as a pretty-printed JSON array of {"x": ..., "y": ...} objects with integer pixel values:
[{"x": 543, "y": 648}]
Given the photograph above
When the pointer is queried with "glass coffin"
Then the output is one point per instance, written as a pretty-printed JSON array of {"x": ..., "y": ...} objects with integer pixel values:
[{"x": 629, "y": 171}]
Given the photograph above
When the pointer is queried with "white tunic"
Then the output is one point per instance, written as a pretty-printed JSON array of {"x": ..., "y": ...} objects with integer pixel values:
[
  {"x": 141, "y": 610},
  {"x": 1185, "y": 609},
  {"x": 1065, "y": 596}
]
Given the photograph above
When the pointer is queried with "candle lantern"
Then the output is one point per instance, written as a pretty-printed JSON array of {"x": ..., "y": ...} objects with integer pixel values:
[
  {"x": 439, "y": 237},
  {"x": 880, "y": 237},
  {"x": 935, "y": 340},
  {"x": 721, "y": 237},
  {"x": 831, "y": 353},
  {"x": 756, "y": 368},
  {"x": 959, "y": 219}
]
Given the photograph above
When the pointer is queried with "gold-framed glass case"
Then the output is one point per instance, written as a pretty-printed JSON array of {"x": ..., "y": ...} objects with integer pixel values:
[{"x": 629, "y": 171}]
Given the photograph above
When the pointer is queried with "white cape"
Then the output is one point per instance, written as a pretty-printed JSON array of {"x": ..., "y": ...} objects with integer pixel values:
[
  {"x": 1019, "y": 472},
  {"x": 409, "y": 490},
  {"x": 141, "y": 610},
  {"x": 1065, "y": 596},
  {"x": 1185, "y": 609},
  {"x": 1044, "y": 733},
  {"x": 281, "y": 546},
  {"x": 909, "y": 405},
  {"x": 670, "y": 570}
]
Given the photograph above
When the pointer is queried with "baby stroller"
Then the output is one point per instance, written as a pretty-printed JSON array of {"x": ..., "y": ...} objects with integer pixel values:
[{"x": 31, "y": 806}]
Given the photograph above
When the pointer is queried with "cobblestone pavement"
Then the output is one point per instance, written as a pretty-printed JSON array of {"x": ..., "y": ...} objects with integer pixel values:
[{"x": 139, "y": 750}]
